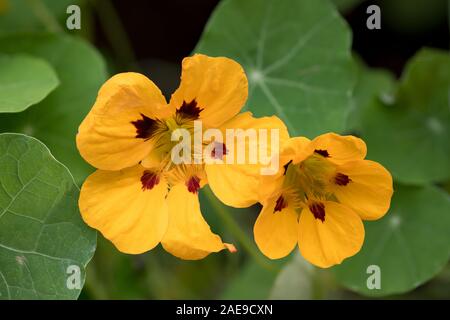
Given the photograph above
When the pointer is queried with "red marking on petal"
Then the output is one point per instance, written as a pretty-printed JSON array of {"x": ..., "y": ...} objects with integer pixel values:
[
  {"x": 193, "y": 184},
  {"x": 219, "y": 150},
  {"x": 149, "y": 179},
  {"x": 280, "y": 204},
  {"x": 286, "y": 166},
  {"x": 189, "y": 110},
  {"x": 318, "y": 210},
  {"x": 323, "y": 153},
  {"x": 145, "y": 127},
  {"x": 341, "y": 179}
]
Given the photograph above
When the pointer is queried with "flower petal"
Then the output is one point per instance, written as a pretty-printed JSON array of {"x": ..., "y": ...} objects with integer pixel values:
[
  {"x": 295, "y": 149},
  {"x": 369, "y": 189},
  {"x": 116, "y": 203},
  {"x": 292, "y": 149},
  {"x": 339, "y": 149},
  {"x": 218, "y": 86},
  {"x": 237, "y": 184},
  {"x": 276, "y": 232},
  {"x": 188, "y": 235},
  {"x": 113, "y": 134},
  {"x": 339, "y": 236}
]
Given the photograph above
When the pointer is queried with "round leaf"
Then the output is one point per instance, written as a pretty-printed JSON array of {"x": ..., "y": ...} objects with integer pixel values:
[
  {"x": 22, "y": 16},
  {"x": 24, "y": 81},
  {"x": 410, "y": 137},
  {"x": 297, "y": 57},
  {"x": 372, "y": 85},
  {"x": 410, "y": 245},
  {"x": 43, "y": 240},
  {"x": 55, "y": 120}
]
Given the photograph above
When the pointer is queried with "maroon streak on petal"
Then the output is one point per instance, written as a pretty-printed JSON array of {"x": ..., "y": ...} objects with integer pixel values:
[
  {"x": 219, "y": 150},
  {"x": 145, "y": 127},
  {"x": 149, "y": 179},
  {"x": 280, "y": 204},
  {"x": 286, "y": 166},
  {"x": 341, "y": 179},
  {"x": 318, "y": 210},
  {"x": 189, "y": 110},
  {"x": 193, "y": 184},
  {"x": 323, "y": 153}
]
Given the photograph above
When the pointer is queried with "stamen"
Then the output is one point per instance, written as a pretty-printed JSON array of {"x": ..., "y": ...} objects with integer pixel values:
[
  {"x": 341, "y": 179},
  {"x": 146, "y": 128},
  {"x": 318, "y": 210},
  {"x": 323, "y": 153},
  {"x": 193, "y": 184},
  {"x": 149, "y": 179},
  {"x": 280, "y": 204},
  {"x": 219, "y": 150}
]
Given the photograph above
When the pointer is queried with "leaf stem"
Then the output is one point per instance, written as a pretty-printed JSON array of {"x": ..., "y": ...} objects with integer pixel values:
[
  {"x": 44, "y": 15},
  {"x": 115, "y": 33}
]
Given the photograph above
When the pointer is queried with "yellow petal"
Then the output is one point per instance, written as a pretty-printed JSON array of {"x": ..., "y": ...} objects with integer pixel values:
[
  {"x": 188, "y": 235},
  {"x": 369, "y": 189},
  {"x": 116, "y": 203},
  {"x": 327, "y": 243},
  {"x": 236, "y": 182},
  {"x": 153, "y": 160},
  {"x": 339, "y": 149},
  {"x": 295, "y": 149},
  {"x": 276, "y": 232},
  {"x": 234, "y": 185},
  {"x": 218, "y": 85},
  {"x": 107, "y": 138}
]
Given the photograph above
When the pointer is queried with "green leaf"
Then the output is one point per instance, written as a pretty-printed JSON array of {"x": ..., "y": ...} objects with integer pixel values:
[
  {"x": 425, "y": 83},
  {"x": 297, "y": 57},
  {"x": 372, "y": 85},
  {"x": 411, "y": 244},
  {"x": 21, "y": 16},
  {"x": 41, "y": 231},
  {"x": 410, "y": 137},
  {"x": 55, "y": 120},
  {"x": 24, "y": 81},
  {"x": 295, "y": 280}
]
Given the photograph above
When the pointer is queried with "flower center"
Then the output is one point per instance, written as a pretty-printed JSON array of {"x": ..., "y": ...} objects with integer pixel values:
[
  {"x": 311, "y": 177},
  {"x": 309, "y": 183},
  {"x": 160, "y": 131}
]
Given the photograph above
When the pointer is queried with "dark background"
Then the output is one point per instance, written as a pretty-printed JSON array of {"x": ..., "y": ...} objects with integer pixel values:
[{"x": 167, "y": 31}]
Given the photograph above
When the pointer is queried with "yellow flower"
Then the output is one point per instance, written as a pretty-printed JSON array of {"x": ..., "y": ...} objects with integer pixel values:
[
  {"x": 319, "y": 199},
  {"x": 139, "y": 197}
]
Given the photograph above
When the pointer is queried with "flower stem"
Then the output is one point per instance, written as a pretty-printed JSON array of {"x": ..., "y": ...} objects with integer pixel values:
[
  {"x": 93, "y": 284},
  {"x": 237, "y": 232}
]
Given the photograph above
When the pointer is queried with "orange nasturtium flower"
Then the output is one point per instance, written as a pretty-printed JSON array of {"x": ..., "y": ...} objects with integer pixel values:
[
  {"x": 319, "y": 198},
  {"x": 139, "y": 197}
]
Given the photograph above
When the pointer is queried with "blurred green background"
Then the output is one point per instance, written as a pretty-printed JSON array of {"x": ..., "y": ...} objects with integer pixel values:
[{"x": 378, "y": 84}]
